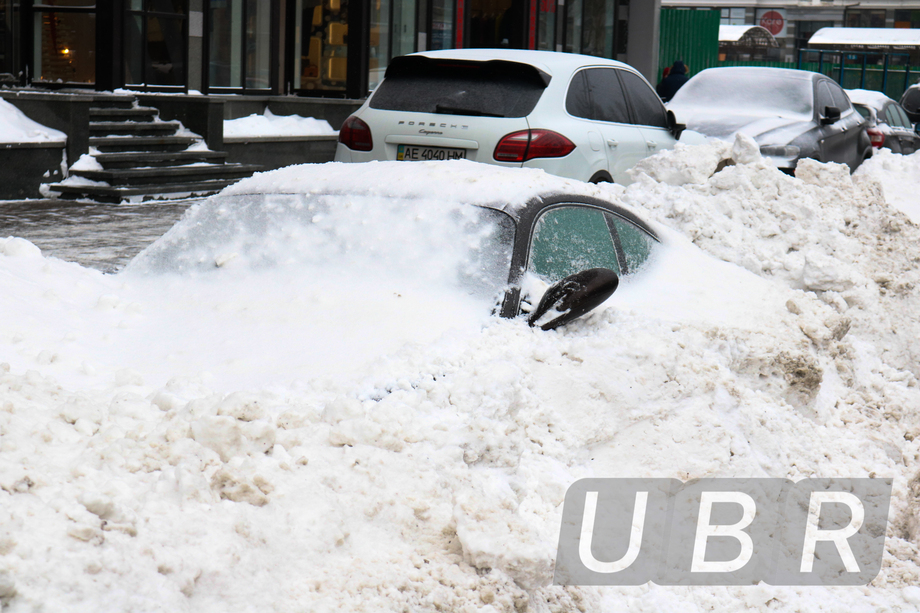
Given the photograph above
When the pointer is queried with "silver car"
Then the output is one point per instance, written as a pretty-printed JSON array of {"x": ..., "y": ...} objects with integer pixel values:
[{"x": 575, "y": 116}]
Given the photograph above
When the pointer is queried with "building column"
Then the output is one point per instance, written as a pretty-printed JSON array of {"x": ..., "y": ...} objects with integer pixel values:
[{"x": 642, "y": 37}]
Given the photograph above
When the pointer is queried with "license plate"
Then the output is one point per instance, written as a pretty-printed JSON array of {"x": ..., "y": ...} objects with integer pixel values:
[{"x": 413, "y": 153}]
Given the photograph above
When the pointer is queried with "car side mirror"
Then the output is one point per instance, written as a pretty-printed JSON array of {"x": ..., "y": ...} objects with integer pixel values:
[
  {"x": 574, "y": 296},
  {"x": 831, "y": 115},
  {"x": 675, "y": 128}
]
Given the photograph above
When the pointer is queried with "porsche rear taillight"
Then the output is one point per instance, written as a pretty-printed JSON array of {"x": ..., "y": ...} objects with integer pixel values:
[
  {"x": 356, "y": 135},
  {"x": 876, "y": 136},
  {"x": 529, "y": 144}
]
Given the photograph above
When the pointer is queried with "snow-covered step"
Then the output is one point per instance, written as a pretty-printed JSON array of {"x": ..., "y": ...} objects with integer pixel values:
[{"x": 142, "y": 159}]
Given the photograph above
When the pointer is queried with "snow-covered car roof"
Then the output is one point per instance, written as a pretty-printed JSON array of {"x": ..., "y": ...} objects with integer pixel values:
[
  {"x": 454, "y": 181},
  {"x": 761, "y": 71},
  {"x": 547, "y": 61},
  {"x": 876, "y": 100}
]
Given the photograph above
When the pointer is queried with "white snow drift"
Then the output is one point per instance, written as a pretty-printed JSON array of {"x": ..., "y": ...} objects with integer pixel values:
[{"x": 252, "y": 438}]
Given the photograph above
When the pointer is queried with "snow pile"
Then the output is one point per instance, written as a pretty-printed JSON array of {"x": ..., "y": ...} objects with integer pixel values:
[
  {"x": 164, "y": 444},
  {"x": 15, "y": 127},
  {"x": 899, "y": 176},
  {"x": 823, "y": 232},
  {"x": 269, "y": 124}
]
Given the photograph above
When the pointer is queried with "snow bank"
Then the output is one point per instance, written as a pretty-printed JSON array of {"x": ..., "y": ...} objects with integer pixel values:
[
  {"x": 769, "y": 337},
  {"x": 269, "y": 124},
  {"x": 15, "y": 127},
  {"x": 899, "y": 176}
]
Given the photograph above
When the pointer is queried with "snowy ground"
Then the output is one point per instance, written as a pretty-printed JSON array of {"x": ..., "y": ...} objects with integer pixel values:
[{"x": 181, "y": 443}]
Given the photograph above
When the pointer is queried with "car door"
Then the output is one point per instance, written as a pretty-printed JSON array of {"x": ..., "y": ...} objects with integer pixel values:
[
  {"x": 900, "y": 128},
  {"x": 596, "y": 96},
  {"x": 647, "y": 112},
  {"x": 835, "y": 139}
]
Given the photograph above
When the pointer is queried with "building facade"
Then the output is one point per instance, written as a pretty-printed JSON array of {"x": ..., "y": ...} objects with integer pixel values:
[
  {"x": 315, "y": 48},
  {"x": 794, "y": 23}
]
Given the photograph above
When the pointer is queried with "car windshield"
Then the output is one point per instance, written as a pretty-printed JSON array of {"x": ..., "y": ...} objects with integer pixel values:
[
  {"x": 416, "y": 241},
  {"x": 454, "y": 87},
  {"x": 746, "y": 93}
]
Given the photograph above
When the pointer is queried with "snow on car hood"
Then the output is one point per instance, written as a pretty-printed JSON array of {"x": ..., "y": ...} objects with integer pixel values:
[
  {"x": 766, "y": 130},
  {"x": 774, "y": 335}
]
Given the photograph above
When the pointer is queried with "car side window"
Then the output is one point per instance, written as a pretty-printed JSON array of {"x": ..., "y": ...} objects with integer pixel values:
[
  {"x": 841, "y": 100},
  {"x": 905, "y": 120},
  {"x": 635, "y": 244},
  {"x": 569, "y": 239},
  {"x": 823, "y": 97},
  {"x": 577, "y": 100},
  {"x": 646, "y": 105},
  {"x": 891, "y": 116},
  {"x": 607, "y": 95}
]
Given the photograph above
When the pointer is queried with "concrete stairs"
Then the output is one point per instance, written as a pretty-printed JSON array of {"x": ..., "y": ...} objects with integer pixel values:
[{"x": 138, "y": 157}]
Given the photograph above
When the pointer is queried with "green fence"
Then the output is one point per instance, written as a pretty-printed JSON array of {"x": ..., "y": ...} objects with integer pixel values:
[{"x": 691, "y": 36}]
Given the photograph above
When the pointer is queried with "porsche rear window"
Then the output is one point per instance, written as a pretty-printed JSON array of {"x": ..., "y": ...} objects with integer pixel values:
[{"x": 454, "y": 87}]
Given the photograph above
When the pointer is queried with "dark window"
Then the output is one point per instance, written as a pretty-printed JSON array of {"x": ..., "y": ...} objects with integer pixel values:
[
  {"x": 497, "y": 88},
  {"x": 841, "y": 101},
  {"x": 862, "y": 110},
  {"x": 893, "y": 114},
  {"x": 911, "y": 101},
  {"x": 577, "y": 100},
  {"x": 240, "y": 53},
  {"x": 596, "y": 94},
  {"x": 65, "y": 42},
  {"x": 804, "y": 30},
  {"x": 823, "y": 97},
  {"x": 865, "y": 18},
  {"x": 156, "y": 43},
  {"x": 646, "y": 105},
  {"x": 907, "y": 18},
  {"x": 607, "y": 95}
]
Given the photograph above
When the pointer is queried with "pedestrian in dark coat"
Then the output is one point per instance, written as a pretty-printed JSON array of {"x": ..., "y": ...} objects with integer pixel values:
[{"x": 673, "y": 82}]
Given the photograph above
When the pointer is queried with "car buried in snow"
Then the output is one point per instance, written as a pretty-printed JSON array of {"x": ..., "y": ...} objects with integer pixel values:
[
  {"x": 576, "y": 116},
  {"x": 503, "y": 237},
  {"x": 792, "y": 114}
]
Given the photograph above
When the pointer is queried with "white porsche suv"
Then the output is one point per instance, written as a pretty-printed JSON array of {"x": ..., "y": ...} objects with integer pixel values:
[{"x": 575, "y": 116}]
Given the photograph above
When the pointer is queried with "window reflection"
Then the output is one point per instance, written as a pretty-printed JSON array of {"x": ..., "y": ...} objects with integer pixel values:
[
  {"x": 321, "y": 44},
  {"x": 65, "y": 49}
]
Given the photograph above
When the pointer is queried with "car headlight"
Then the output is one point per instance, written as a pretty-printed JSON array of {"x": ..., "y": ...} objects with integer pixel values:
[{"x": 780, "y": 151}]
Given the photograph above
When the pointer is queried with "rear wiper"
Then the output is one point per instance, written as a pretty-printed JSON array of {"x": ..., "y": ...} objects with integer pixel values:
[{"x": 456, "y": 110}]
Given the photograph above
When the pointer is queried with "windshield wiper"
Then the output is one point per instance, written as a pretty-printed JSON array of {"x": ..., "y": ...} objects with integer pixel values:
[{"x": 456, "y": 110}]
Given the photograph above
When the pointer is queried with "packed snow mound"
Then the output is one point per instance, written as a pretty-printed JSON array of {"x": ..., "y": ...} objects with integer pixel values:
[
  {"x": 15, "y": 127},
  {"x": 269, "y": 124},
  {"x": 822, "y": 231},
  {"x": 899, "y": 176},
  {"x": 433, "y": 478}
]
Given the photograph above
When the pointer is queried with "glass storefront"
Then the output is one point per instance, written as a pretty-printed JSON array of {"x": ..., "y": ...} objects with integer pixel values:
[
  {"x": 234, "y": 46},
  {"x": 9, "y": 49},
  {"x": 239, "y": 44},
  {"x": 155, "y": 43},
  {"x": 320, "y": 45},
  {"x": 64, "y": 43}
]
